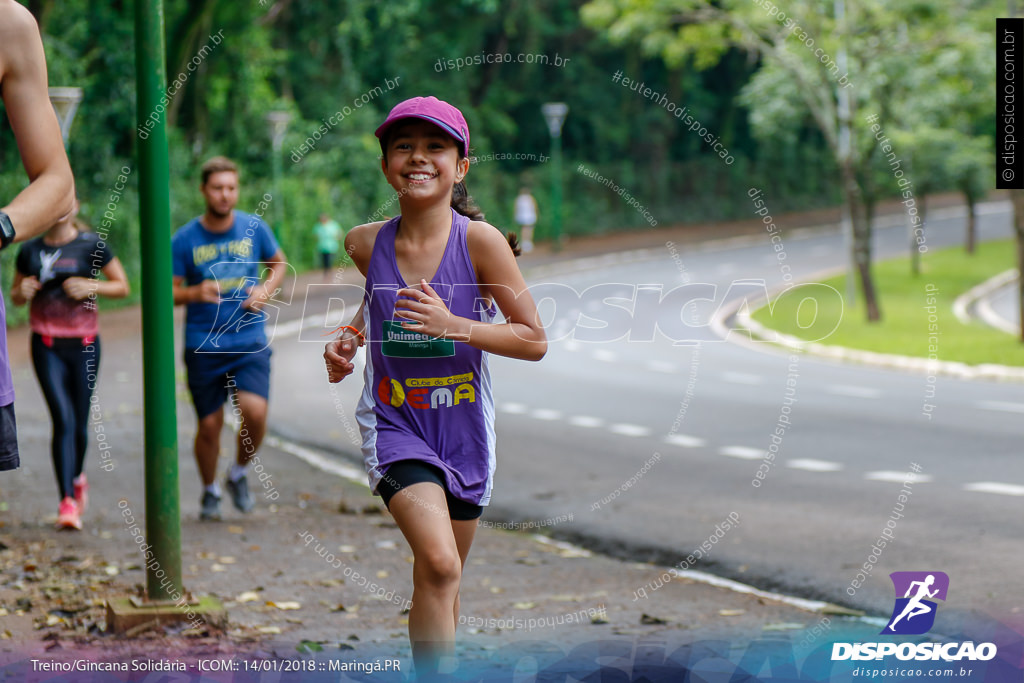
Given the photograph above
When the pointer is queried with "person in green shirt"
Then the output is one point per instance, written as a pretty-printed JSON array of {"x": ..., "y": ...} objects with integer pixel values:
[{"x": 328, "y": 238}]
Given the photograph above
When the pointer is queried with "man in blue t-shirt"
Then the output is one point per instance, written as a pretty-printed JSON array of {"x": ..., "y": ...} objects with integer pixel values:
[{"x": 219, "y": 260}]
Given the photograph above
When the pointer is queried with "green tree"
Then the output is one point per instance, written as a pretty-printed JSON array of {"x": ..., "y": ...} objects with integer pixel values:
[{"x": 835, "y": 65}]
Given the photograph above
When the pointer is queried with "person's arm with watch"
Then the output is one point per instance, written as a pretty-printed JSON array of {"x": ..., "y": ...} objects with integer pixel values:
[{"x": 23, "y": 86}]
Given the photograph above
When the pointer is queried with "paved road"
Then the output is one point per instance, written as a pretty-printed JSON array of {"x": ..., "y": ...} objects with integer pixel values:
[{"x": 695, "y": 420}]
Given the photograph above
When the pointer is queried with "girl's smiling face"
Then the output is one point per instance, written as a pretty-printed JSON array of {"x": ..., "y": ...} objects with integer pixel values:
[{"x": 422, "y": 161}]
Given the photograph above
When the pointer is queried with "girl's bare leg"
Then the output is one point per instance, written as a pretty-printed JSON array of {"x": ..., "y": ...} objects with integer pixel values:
[
  {"x": 421, "y": 513},
  {"x": 464, "y": 531}
]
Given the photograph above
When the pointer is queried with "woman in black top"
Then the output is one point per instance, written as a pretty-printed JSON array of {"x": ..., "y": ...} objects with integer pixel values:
[{"x": 59, "y": 274}]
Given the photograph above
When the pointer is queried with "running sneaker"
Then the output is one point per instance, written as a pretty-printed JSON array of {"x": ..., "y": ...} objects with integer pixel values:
[
  {"x": 81, "y": 492},
  {"x": 209, "y": 507},
  {"x": 239, "y": 491},
  {"x": 68, "y": 515}
]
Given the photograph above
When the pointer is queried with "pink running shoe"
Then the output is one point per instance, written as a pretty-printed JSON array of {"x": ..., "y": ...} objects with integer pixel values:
[
  {"x": 68, "y": 515},
  {"x": 81, "y": 492}
]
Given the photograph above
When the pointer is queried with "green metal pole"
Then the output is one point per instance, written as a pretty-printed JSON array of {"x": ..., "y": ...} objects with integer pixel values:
[
  {"x": 556, "y": 190},
  {"x": 163, "y": 519}
]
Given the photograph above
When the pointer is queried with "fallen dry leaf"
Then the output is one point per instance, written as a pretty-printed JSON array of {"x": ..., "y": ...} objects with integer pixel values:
[
  {"x": 652, "y": 621},
  {"x": 285, "y": 605}
]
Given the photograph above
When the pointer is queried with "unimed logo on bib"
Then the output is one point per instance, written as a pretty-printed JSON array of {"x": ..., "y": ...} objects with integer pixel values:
[{"x": 915, "y": 608}]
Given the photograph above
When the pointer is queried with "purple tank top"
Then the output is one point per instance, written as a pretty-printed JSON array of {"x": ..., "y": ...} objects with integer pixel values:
[
  {"x": 423, "y": 398},
  {"x": 6, "y": 381}
]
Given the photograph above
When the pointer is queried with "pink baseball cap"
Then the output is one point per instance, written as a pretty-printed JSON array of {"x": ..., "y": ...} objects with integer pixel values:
[{"x": 431, "y": 109}]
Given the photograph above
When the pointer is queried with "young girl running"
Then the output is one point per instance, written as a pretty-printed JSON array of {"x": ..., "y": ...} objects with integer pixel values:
[
  {"x": 433, "y": 276},
  {"x": 59, "y": 273}
]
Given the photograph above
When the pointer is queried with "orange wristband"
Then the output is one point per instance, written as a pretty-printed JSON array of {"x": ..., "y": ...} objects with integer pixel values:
[{"x": 362, "y": 339}]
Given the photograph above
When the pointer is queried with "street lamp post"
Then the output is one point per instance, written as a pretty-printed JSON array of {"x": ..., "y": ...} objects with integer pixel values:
[
  {"x": 65, "y": 104},
  {"x": 554, "y": 114},
  {"x": 278, "y": 123}
]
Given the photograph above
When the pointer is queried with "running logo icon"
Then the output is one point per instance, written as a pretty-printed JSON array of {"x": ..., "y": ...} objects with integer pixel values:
[{"x": 914, "y": 613}]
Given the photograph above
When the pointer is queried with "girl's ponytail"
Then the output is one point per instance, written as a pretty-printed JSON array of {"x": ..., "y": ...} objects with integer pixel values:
[{"x": 464, "y": 204}]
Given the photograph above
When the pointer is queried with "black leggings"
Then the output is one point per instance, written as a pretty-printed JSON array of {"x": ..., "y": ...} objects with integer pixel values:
[{"x": 64, "y": 367}]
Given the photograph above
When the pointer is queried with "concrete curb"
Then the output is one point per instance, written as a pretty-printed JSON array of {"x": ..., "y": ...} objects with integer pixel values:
[
  {"x": 926, "y": 366},
  {"x": 977, "y": 298}
]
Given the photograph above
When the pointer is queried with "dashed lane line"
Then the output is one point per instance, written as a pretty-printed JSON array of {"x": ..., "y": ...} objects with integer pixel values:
[
  {"x": 629, "y": 429},
  {"x": 684, "y": 440},
  {"x": 586, "y": 421},
  {"x": 1002, "y": 406},
  {"x": 812, "y": 465},
  {"x": 853, "y": 391},
  {"x": 898, "y": 477},
  {"x": 742, "y": 452},
  {"x": 995, "y": 487},
  {"x": 742, "y": 378}
]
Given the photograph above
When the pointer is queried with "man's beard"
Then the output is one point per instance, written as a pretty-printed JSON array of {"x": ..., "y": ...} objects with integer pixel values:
[{"x": 210, "y": 209}]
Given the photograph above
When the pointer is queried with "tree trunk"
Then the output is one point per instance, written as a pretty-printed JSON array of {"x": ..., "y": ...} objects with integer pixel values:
[
  {"x": 861, "y": 239},
  {"x": 1018, "y": 227},
  {"x": 915, "y": 253},
  {"x": 972, "y": 222}
]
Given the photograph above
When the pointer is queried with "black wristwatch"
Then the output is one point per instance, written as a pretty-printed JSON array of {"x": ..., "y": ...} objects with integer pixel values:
[{"x": 6, "y": 230}]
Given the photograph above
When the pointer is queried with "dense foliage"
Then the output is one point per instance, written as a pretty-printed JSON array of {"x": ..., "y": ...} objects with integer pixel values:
[{"x": 316, "y": 59}]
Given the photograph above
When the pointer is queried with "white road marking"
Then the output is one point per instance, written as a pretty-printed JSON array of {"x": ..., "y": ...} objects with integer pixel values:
[
  {"x": 684, "y": 440},
  {"x": 741, "y": 378},
  {"x": 585, "y": 421},
  {"x": 546, "y": 414},
  {"x": 854, "y": 391},
  {"x": 898, "y": 477},
  {"x": 317, "y": 460},
  {"x": 629, "y": 430},
  {"x": 514, "y": 408},
  {"x": 1003, "y": 406},
  {"x": 744, "y": 452},
  {"x": 996, "y": 487},
  {"x": 812, "y": 465},
  {"x": 605, "y": 355},
  {"x": 661, "y": 366}
]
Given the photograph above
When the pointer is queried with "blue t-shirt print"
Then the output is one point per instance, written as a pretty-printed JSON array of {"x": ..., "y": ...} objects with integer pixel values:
[{"x": 234, "y": 259}]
